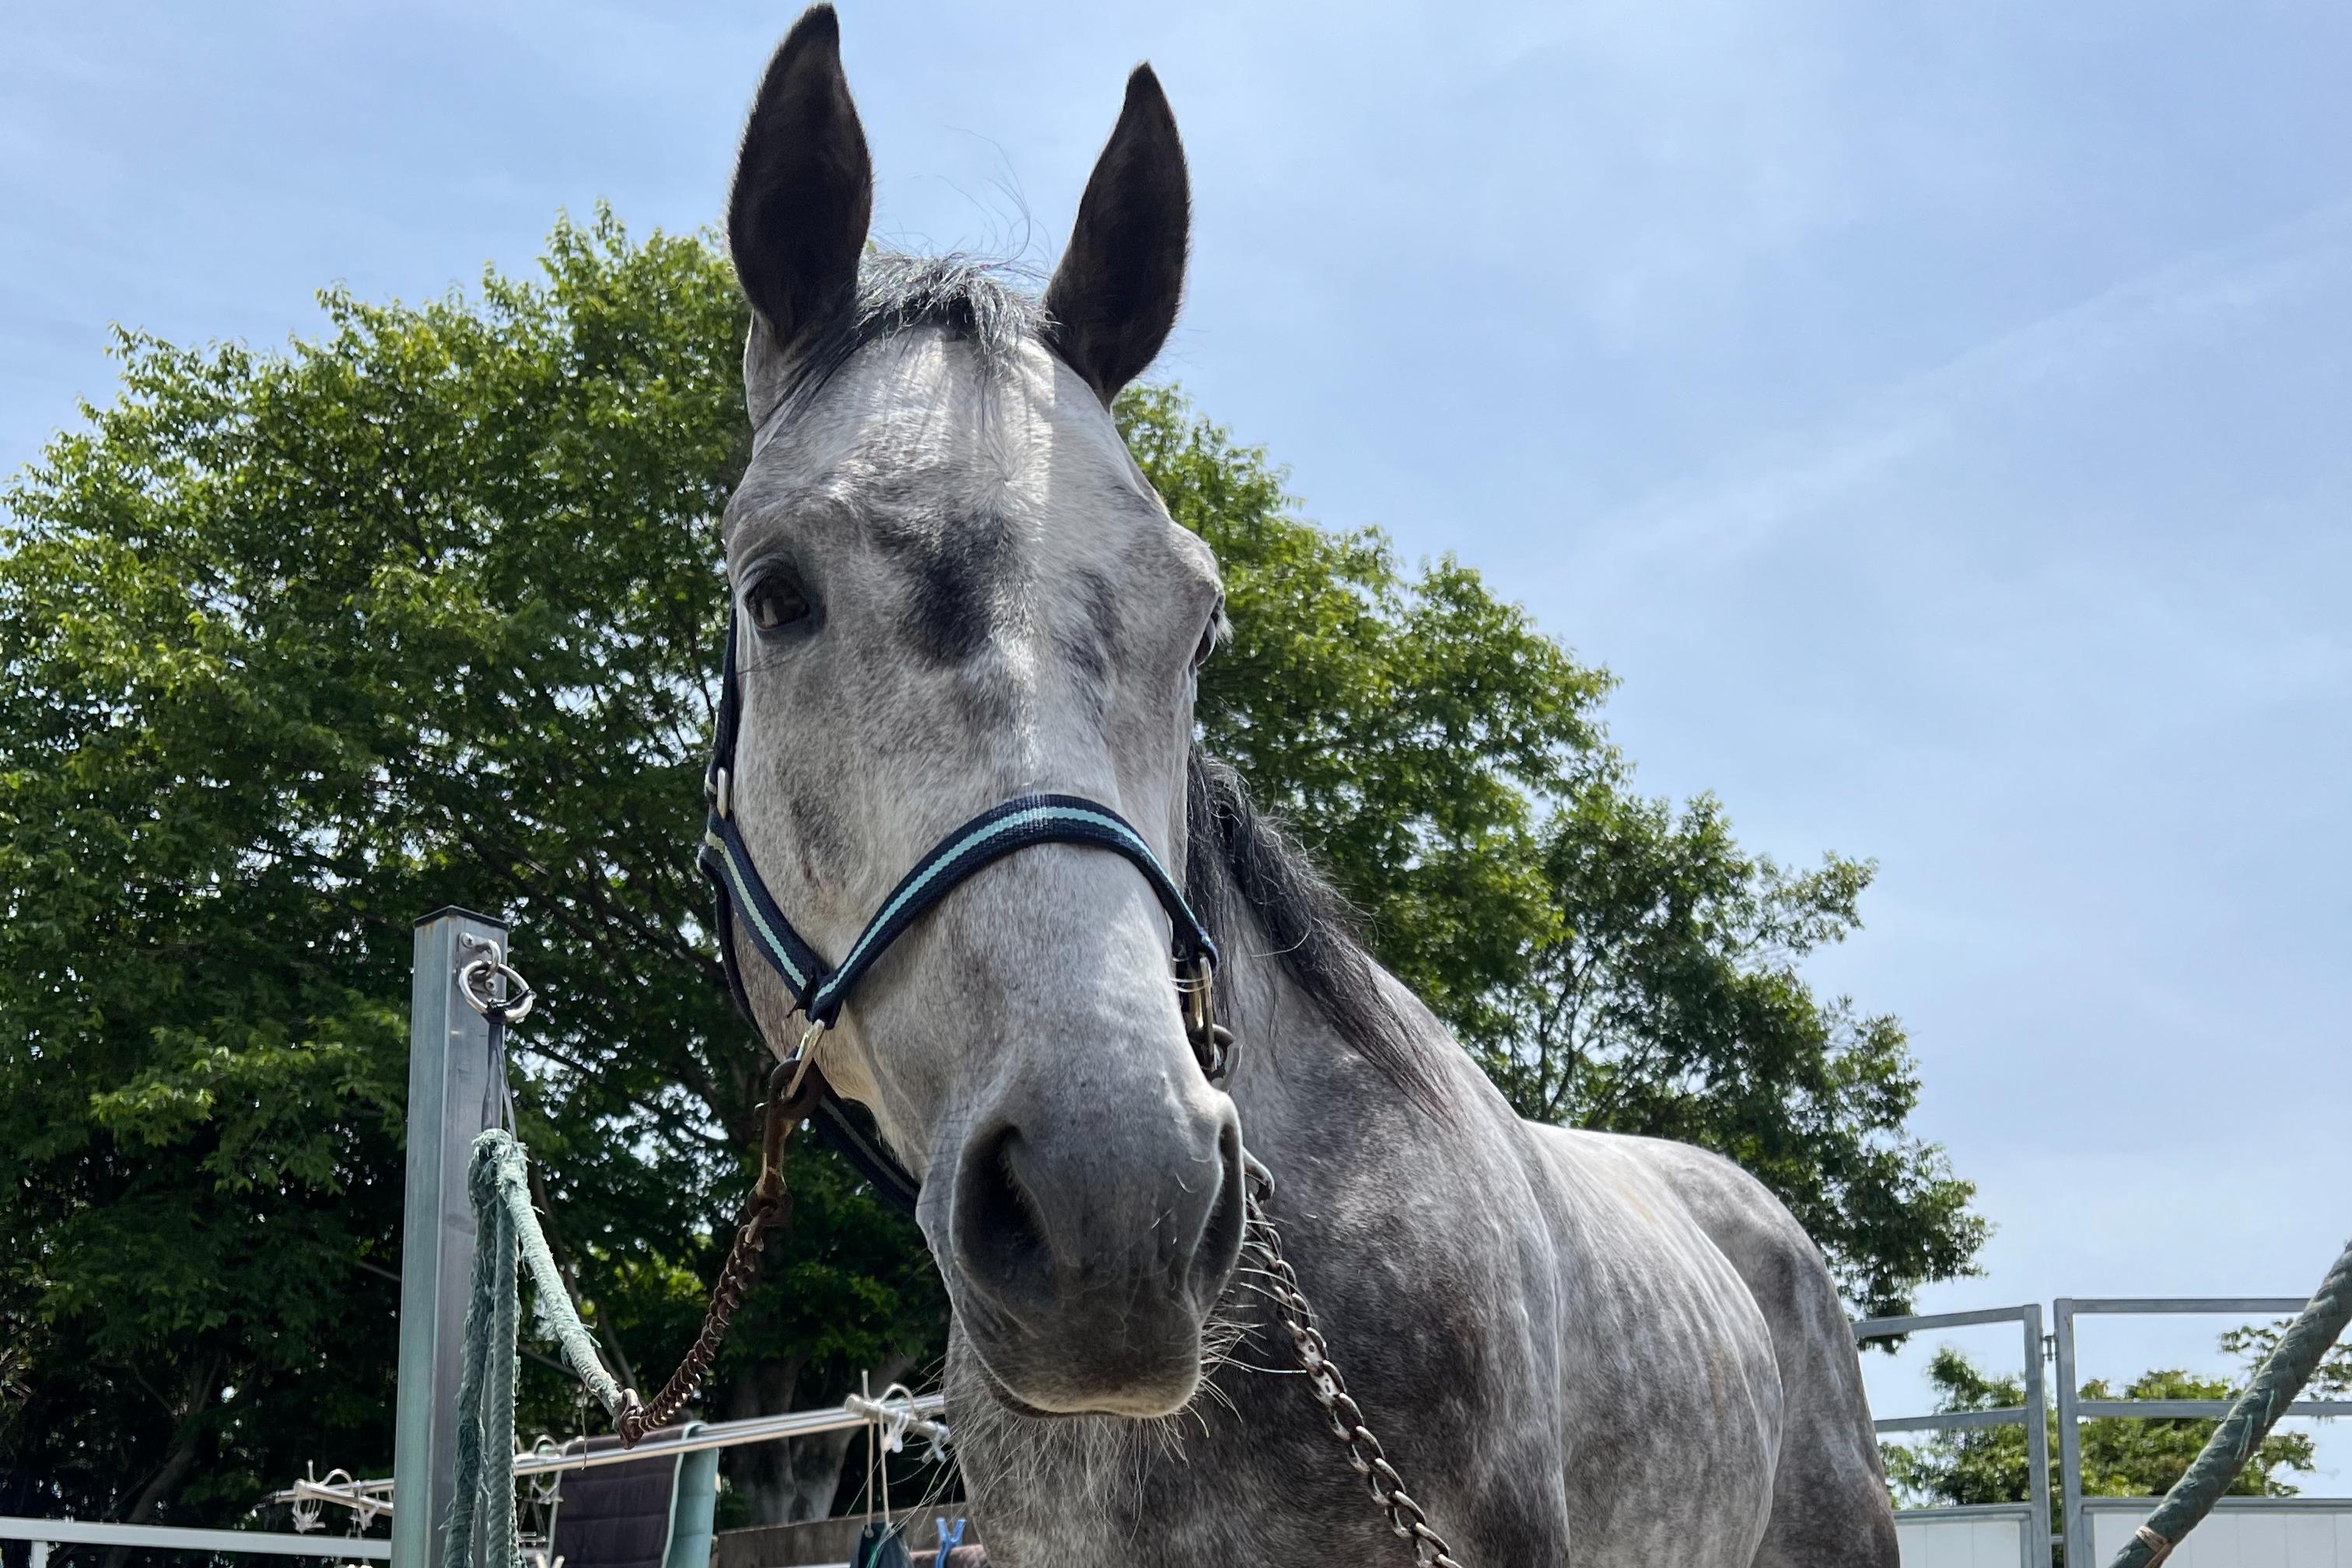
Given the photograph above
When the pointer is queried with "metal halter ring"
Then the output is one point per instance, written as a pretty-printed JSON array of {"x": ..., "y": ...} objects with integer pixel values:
[
  {"x": 1212, "y": 1043},
  {"x": 514, "y": 1007}
]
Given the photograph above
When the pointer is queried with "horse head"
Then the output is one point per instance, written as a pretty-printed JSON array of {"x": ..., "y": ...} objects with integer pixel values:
[{"x": 952, "y": 585}]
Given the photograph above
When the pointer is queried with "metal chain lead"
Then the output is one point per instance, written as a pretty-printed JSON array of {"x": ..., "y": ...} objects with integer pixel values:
[{"x": 1346, "y": 1421}]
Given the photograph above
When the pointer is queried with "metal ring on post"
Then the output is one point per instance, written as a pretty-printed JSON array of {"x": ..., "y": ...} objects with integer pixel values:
[{"x": 517, "y": 995}]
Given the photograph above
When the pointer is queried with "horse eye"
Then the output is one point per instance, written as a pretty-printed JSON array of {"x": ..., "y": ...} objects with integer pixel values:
[
  {"x": 1210, "y": 635},
  {"x": 775, "y": 602}
]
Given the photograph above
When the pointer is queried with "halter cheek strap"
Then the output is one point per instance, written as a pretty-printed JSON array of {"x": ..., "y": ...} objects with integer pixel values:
[{"x": 819, "y": 990}]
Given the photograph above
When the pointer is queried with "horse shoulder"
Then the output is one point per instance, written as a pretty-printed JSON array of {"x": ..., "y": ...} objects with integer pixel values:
[
  {"x": 1830, "y": 1505},
  {"x": 1673, "y": 1399}
]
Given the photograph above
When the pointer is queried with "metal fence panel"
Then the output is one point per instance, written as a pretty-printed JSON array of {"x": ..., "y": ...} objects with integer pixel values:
[{"x": 2033, "y": 1540}]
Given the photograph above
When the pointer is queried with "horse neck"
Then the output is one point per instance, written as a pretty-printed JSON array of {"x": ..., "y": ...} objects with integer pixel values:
[{"x": 1319, "y": 1113}]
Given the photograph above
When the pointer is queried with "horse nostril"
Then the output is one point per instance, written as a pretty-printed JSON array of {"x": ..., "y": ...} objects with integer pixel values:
[
  {"x": 999, "y": 1236},
  {"x": 1220, "y": 1245}
]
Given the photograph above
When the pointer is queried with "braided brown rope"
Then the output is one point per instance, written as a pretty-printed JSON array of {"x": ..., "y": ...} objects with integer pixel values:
[
  {"x": 637, "y": 1418},
  {"x": 770, "y": 1208}
]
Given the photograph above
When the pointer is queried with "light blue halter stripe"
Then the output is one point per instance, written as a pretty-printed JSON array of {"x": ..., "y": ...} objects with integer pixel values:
[
  {"x": 949, "y": 853},
  {"x": 819, "y": 991},
  {"x": 770, "y": 944},
  {"x": 946, "y": 853}
]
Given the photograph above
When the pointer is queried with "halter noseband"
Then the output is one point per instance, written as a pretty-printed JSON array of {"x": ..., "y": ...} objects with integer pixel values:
[{"x": 819, "y": 990}]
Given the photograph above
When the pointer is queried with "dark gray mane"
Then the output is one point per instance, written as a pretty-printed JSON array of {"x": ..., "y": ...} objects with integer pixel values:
[
  {"x": 979, "y": 302},
  {"x": 1231, "y": 853}
]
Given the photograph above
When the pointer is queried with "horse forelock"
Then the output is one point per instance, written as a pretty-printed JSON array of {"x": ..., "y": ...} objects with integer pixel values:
[{"x": 981, "y": 303}]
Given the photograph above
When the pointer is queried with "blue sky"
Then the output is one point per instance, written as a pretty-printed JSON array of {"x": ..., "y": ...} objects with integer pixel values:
[{"x": 1940, "y": 417}]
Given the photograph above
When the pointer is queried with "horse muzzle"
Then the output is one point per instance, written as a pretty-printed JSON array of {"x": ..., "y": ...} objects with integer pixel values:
[{"x": 1084, "y": 1253}]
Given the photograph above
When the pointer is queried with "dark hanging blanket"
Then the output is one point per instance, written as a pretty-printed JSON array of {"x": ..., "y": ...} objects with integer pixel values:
[{"x": 627, "y": 1515}]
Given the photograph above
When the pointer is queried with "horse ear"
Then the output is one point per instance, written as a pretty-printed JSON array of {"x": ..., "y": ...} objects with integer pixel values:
[
  {"x": 804, "y": 192},
  {"x": 1115, "y": 295}
]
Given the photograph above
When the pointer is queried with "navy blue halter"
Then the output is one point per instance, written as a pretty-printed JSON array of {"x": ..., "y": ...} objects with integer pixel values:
[{"x": 819, "y": 990}]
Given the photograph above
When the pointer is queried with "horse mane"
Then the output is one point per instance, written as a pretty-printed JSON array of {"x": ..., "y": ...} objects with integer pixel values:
[{"x": 1234, "y": 855}]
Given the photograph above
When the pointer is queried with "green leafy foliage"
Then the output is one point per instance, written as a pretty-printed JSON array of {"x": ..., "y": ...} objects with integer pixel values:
[
  {"x": 297, "y": 646},
  {"x": 2331, "y": 1379}
]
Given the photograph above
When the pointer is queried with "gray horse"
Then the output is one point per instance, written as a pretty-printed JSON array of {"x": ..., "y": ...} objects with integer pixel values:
[{"x": 955, "y": 586}]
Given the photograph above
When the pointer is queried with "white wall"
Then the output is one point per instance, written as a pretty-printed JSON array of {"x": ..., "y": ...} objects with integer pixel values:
[
  {"x": 2241, "y": 1532},
  {"x": 1987, "y": 1537}
]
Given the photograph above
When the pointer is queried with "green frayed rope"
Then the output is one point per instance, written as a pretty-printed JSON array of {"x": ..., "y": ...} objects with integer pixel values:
[
  {"x": 2280, "y": 1378},
  {"x": 504, "y": 1225}
]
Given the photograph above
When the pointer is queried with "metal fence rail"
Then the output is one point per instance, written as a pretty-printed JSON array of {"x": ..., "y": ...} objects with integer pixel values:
[
  {"x": 2073, "y": 1409},
  {"x": 379, "y": 1496},
  {"x": 2033, "y": 1414},
  {"x": 163, "y": 1538}
]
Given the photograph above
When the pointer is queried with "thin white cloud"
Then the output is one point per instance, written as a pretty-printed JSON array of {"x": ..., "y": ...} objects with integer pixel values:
[{"x": 1777, "y": 487}]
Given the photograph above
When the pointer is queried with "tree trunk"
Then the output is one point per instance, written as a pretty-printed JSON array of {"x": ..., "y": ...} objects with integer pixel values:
[{"x": 187, "y": 1438}]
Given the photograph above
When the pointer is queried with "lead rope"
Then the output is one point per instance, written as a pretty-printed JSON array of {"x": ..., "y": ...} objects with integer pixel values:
[
  {"x": 2239, "y": 1434},
  {"x": 482, "y": 1503},
  {"x": 481, "y": 1523},
  {"x": 507, "y": 1231},
  {"x": 769, "y": 1207}
]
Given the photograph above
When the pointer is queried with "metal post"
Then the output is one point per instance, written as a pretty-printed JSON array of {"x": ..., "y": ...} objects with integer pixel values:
[
  {"x": 2037, "y": 1441},
  {"x": 2070, "y": 1440},
  {"x": 448, "y": 1069}
]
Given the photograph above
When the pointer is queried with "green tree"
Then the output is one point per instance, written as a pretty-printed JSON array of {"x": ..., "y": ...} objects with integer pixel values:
[
  {"x": 300, "y": 646},
  {"x": 1614, "y": 963},
  {"x": 296, "y": 646},
  {"x": 2121, "y": 1457},
  {"x": 2331, "y": 1379}
]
